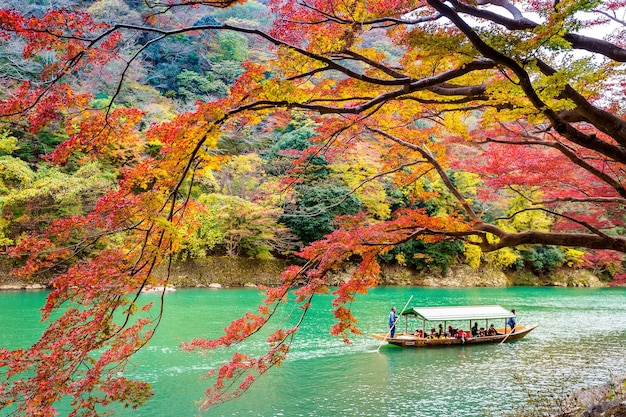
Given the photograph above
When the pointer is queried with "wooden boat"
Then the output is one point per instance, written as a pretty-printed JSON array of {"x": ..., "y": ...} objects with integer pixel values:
[{"x": 445, "y": 315}]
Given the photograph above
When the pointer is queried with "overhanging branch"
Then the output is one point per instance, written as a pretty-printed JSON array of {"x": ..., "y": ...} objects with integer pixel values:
[{"x": 586, "y": 240}]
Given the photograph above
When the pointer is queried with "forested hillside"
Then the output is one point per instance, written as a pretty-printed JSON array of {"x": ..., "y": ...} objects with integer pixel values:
[
  {"x": 252, "y": 204},
  {"x": 423, "y": 133}
]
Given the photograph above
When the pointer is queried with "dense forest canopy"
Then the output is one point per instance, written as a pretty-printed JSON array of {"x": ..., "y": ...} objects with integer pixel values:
[{"x": 135, "y": 133}]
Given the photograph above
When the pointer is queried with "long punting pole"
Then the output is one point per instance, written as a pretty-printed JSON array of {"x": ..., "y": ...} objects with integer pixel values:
[{"x": 394, "y": 323}]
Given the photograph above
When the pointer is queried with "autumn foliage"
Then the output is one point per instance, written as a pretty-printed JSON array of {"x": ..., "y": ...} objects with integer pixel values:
[{"x": 511, "y": 95}]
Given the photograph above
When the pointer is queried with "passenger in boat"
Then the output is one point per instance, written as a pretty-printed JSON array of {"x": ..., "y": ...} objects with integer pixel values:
[
  {"x": 451, "y": 332},
  {"x": 392, "y": 321},
  {"x": 433, "y": 333},
  {"x": 492, "y": 331},
  {"x": 475, "y": 330},
  {"x": 511, "y": 322},
  {"x": 419, "y": 333},
  {"x": 482, "y": 332},
  {"x": 460, "y": 334},
  {"x": 439, "y": 330}
]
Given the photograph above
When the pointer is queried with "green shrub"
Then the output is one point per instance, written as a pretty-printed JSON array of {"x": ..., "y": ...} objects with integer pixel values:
[{"x": 543, "y": 259}]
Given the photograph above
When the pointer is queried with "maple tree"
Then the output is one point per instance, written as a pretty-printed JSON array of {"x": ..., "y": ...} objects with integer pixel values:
[{"x": 512, "y": 92}]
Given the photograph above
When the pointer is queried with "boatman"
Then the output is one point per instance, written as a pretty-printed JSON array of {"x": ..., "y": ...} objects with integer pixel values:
[
  {"x": 511, "y": 322},
  {"x": 392, "y": 321}
]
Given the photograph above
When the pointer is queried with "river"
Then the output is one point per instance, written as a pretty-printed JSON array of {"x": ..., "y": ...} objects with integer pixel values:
[{"x": 580, "y": 342}]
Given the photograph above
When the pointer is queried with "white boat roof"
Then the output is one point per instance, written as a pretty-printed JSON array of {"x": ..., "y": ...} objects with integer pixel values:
[{"x": 460, "y": 313}]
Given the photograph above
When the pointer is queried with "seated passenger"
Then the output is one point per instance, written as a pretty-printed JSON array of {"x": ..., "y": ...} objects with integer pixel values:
[
  {"x": 482, "y": 332},
  {"x": 452, "y": 331},
  {"x": 433, "y": 334},
  {"x": 492, "y": 331},
  {"x": 462, "y": 335},
  {"x": 419, "y": 333}
]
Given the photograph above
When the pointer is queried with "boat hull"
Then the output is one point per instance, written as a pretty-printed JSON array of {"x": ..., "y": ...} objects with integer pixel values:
[{"x": 412, "y": 341}]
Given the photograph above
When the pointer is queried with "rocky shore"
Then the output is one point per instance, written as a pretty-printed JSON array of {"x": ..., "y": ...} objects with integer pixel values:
[
  {"x": 608, "y": 400},
  {"x": 235, "y": 272},
  {"x": 220, "y": 272}
]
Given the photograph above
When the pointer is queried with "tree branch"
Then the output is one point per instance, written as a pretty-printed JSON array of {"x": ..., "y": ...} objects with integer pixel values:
[
  {"x": 618, "y": 153},
  {"x": 600, "y": 174},
  {"x": 431, "y": 159},
  {"x": 601, "y": 119},
  {"x": 519, "y": 22},
  {"x": 507, "y": 239}
]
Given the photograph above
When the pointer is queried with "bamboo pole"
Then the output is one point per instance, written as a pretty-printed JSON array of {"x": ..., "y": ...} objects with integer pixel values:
[{"x": 394, "y": 323}]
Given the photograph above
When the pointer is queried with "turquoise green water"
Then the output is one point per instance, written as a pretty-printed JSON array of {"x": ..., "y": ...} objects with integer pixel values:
[{"x": 580, "y": 342}]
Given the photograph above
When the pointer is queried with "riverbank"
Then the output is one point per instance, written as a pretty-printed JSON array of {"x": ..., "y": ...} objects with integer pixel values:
[
  {"x": 223, "y": 272},
  {"x": 238, "y": 272},
  {"x": 235, "y": 272},
  {"x": 601, "y": 401}
]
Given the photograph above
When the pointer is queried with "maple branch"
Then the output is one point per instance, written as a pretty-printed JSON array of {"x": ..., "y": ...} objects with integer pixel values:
[
  {"x": 571, "y": 155},
  {"x": 419, "y": 232},
  {"x": 358, "y": 57},
  {"x": 510, "y": 7},
  {"x": 601, "y": 200},
  {"x": 186, "y": 169},
  {"x": 431, "y": 159},
  {"x": 383, "y": 98},
  {"x": 520, "y": 22},
  {"x": 613, "y": 17},
  {"x": 510, "y": 239},
  {"x": 382, "y": 21},
  {"x": 572, "y": 116},
  {"x": 594, "y": 230},
  {"x": 448, "y": 89},
  {"x": 603, "y": 121},
  {"x": 122, "y": 76},
  {"x": 449, "y": 102},
  {"x": 165, "y": 7},
  {"x": 599, "y": 46},
  {"x": 278, "y": 347},
  {"x": 390, "y": 21},
  {"x": 565, "y": 129},
  {"x": 309, "y": 73},
  {"x": 340, "y": 99}
]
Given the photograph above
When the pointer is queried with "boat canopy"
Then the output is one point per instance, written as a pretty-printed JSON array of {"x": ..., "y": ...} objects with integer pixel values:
[{"x": 459, "y": 313}]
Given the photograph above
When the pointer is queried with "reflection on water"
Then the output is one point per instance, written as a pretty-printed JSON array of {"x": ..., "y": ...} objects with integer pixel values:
[{"x": 579, "y": 342}]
